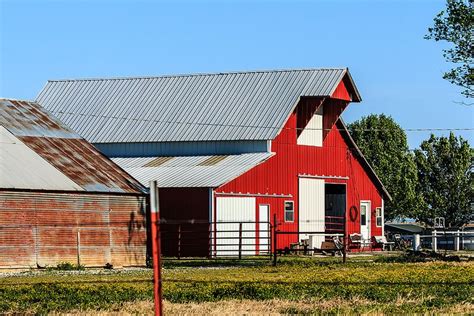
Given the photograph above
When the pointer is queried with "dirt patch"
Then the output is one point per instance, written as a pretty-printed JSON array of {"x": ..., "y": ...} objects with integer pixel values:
[{"x": 268, "y": 307}]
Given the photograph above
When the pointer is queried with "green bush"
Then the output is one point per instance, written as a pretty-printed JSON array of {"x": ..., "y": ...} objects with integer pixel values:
[{"x": 67, "y": 266}]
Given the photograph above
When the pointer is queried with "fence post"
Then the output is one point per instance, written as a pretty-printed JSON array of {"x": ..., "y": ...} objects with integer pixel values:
[
  {"x": 240, "y": 241},
  {"x": 416, "y": 242},
  {"x": 456, "y": 241},
  {"x": 209, "y": 242},
  {"x": 179, "y": 241},
  {"x": 274, "y": 240},
  {"x": 78, "y": 247},
  {"x": 156, "y": 243},
  {"x": 434, "y": 242}
]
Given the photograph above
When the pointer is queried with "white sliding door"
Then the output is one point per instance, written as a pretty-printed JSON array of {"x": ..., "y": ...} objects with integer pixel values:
[
  {"x": 230, "y": 211},
  {"x": 311, "y": 209}
]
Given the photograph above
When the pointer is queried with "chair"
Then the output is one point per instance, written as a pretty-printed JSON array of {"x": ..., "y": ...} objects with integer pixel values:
[
  {"x": 378, "y": 241},
  {"x": 355, "y": 240}
]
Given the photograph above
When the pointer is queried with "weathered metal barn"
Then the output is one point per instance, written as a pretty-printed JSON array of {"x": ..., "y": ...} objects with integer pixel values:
[
  {"x": 60, "y": 199},
  {"x": 234, "y": 147}
]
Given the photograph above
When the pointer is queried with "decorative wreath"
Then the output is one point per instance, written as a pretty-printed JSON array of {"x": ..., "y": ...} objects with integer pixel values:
[{"x": 353, "y": 212}]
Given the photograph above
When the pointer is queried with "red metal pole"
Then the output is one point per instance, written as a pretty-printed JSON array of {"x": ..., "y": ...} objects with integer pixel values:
[{"x": 156, "y": 244}]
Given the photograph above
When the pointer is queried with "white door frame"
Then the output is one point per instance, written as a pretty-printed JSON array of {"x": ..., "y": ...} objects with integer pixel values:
[
  {"x": 367, "y": 218},
  {"x": 263, "y": 241}
]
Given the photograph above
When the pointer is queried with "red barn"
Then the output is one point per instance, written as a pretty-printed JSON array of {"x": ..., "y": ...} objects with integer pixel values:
[{"x": 234, "y": 147}]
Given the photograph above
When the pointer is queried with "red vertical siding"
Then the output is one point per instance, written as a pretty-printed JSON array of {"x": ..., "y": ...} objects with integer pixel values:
[
  {"x": 341, "y": 92},
  {"x": 279, "y": 175}
]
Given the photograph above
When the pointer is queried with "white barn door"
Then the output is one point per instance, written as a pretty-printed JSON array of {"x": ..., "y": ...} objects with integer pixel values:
[
  {"x": 365, "y": 220},
  {"x": 230, "y": 211},
  {"x": 311, "y": 210}
]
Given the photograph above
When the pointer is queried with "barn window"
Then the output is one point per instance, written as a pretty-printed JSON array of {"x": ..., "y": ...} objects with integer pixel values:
[
  {"x": 363, "y": 216},
  {"x": 310, "y": 123},
  {"x": 378, "y": 216},
  {"x": 289, "y": 211}
]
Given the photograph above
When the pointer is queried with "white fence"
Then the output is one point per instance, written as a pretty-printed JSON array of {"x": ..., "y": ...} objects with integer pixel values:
[{"x": 444, "y": 240}]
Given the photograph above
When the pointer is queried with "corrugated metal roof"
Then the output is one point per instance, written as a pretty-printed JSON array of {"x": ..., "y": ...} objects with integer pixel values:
[
  {"x": 188, "y": 171},
  {"x": 409, "y": 227},
  {"x": 202, "y": 107},
  {"x": 52, "y": 156},
  {"x": 21, "y": 167}
]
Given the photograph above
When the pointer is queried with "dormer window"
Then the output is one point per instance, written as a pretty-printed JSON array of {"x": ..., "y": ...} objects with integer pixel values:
[{"x": 310, "y": 124}]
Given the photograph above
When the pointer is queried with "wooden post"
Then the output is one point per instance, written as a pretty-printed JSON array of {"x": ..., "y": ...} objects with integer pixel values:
[
  {"x": 274, "y": 240},
  {"x": 78, "y": 248},
  {"x": 156, "y": 243},
  {"x": 240, "y": 241},
  {"x": 179, "y": 241},
  {"x": 434, "y": 242}
]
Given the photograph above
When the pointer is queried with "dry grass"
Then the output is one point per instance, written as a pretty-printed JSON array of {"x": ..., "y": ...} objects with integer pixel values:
[{"x": 268, "y": 307}]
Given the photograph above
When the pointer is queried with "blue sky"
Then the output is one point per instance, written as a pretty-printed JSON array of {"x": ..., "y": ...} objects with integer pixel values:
[{"x": 397, "y": 72}]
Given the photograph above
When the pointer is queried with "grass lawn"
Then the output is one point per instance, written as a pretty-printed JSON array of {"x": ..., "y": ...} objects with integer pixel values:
[{"x": 294, "y": 286}]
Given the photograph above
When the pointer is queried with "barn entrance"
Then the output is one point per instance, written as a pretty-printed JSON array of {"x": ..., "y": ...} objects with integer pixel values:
[{"x": 335, "y": 208}]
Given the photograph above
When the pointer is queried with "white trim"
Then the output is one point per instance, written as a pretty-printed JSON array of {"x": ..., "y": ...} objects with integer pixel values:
[
  {"x": 383, "y": 217},
  {"x": 376, "y": 217},
  {"x": 284, "y": 211},
  {"x": 368, "y": 216},
  {"x": 254, "y": 194},
  {"x": 322, "y": 177}
]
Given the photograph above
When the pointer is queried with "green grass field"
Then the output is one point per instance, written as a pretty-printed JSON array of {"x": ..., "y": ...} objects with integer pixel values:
[{"x": 294, "y": 286}]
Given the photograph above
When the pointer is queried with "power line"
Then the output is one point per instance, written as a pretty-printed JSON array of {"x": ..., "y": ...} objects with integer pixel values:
[{"x": 255, "y": 126}]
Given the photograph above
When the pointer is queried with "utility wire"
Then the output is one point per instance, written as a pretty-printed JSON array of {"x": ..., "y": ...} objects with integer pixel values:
[{"x": 253, "y": 126}]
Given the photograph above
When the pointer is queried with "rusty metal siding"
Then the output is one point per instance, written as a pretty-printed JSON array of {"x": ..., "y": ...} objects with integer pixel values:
[{"x": 43, "y": 229}]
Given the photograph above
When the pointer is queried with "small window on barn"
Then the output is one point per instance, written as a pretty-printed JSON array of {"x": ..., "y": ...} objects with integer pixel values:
[
  {"x": 289, "y": 211},
  {"x": 363, "y": 215},
  {"x": 378, "y": 217}
]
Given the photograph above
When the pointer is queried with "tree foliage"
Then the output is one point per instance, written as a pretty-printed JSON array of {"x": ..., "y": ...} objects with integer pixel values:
[
  {"x": 455, "y": 25},
  {"x": 384, "y": 144},
  {"x": 445, "y": 179}
]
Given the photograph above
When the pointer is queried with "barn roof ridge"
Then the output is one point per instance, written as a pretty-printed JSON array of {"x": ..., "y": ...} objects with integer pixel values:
[{"x": 198, "y": 74}]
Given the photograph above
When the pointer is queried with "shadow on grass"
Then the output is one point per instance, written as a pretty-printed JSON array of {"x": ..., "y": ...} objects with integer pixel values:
[{"x": 170, "y": 263}]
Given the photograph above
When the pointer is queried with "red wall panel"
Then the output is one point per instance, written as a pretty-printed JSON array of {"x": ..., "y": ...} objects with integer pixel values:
[{"x": 279, "y": 174}]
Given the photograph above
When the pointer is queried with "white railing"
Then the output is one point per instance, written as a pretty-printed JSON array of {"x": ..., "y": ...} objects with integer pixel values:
[{"x": 458, "y": 238}]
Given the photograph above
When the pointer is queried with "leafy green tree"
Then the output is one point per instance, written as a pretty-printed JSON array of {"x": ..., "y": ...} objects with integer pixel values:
[
  {"x": 455, "y": 25},
  {"x": 384, "y": 144},
  {"x": 446, "y": 182}
]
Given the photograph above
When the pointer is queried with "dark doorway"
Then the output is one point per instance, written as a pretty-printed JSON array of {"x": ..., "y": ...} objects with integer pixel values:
[{"x": 335, "y": 206}]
